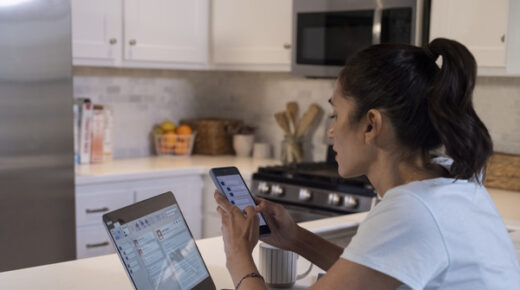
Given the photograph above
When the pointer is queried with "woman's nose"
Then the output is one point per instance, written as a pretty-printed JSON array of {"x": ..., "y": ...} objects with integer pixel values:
[{"x": 330, "y": 133}]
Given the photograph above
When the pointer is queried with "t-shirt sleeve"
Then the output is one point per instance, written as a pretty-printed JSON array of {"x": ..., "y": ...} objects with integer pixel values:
[{"x": 400, "y": 238}]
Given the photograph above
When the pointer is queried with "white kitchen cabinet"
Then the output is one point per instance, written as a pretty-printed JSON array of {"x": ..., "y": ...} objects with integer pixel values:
[
  {"x": 96, "y": 32},
  {"x": 212, "y": 220},
  {"x": 138, "y": 33},
  {"x": 91, "y": 207},
  {"x": 187, "y": 191},
  {"x": 96, "y": 198},
  {"x": 487, "y": 28},
  {"x": 92, "y": 241},
  {"x": 251, "y": 35},
  {"x": 166, "y": 31}
]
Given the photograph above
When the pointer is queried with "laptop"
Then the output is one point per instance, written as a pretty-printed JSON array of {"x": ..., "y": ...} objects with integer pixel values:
[{"x": 156, "y": 246}]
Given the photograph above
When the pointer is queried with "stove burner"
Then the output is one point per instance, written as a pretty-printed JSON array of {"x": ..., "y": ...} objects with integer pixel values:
[{"x": 313, "y": 174}]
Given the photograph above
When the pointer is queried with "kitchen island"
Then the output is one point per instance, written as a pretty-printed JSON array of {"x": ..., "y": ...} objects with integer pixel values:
[
  {"x": 107, "y": 272},
  {"x": 114, "y": 184}
]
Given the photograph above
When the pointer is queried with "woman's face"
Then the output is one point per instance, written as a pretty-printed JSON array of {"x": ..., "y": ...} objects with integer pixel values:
[{"x": 353, "y": 153}]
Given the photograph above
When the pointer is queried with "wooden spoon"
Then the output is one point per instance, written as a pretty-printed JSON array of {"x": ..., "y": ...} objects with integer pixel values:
[
  {"x": 312, "y": 112},
  {"x": 282, "y": 121},
  {"x": 292, "y": 114}
]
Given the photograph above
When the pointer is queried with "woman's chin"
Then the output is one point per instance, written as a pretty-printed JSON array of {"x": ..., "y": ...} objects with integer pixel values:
[{"x": 345, "y": 173}]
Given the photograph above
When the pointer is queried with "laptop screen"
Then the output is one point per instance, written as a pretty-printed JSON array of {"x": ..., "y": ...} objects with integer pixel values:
[{"x": 158, "y": 250}]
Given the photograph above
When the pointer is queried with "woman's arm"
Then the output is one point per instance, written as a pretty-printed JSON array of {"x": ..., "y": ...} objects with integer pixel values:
[
  {"x": 317, "y": 250},
  {"x": 286, "y": 234},
  {"x": 240, "y": 234},
  {"x": 345, "y": 274}
]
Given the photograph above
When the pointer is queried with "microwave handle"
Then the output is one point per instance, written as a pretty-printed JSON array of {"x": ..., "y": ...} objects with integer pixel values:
[{"x": 376, "y": 27}]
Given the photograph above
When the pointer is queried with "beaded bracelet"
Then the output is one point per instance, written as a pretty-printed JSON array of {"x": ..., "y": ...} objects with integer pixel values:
[{"x": 250, "y": 275}]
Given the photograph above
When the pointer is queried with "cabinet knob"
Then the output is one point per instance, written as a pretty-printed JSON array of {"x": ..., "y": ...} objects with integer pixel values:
[
  {"x": 503, "y": 38},
  {"x": 286, "y": 45},
  {"x": 112, "y": 41},
  {"x": 132, "y": 42}
]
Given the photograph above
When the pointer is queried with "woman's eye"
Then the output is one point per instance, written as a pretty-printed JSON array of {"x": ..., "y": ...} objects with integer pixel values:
[{"x": 333, "y": 116}]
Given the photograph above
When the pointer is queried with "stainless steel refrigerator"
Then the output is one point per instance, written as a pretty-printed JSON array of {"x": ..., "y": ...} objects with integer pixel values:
[{"x": 37, "y": 220}]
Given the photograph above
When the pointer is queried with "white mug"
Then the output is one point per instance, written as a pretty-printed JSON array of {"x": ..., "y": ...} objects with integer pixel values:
[
  {"x": 261, "y": 150},
  {"x": 278, "y": 267}
]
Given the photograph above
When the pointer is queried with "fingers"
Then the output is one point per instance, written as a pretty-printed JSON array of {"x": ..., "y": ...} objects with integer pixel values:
[
  {"x": 250, "y": 212},
  {"x": 222, "y": 202},
  {"x": 267, "y": 207}
]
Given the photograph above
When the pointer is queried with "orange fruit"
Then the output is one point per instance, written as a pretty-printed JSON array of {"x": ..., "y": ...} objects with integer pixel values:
[
  {"x": 163, "y": 150},
  {"x": 184, "y": 130},
  {"x": 169, "y": 140},
  {"x": 182, "y": 148}
]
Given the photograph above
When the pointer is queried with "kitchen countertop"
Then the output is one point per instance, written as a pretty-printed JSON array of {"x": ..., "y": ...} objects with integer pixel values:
[
  {"x": 507, "y": 202},
  {"x": 146, "y": 167},
  {"x": 106, "y": 272}
]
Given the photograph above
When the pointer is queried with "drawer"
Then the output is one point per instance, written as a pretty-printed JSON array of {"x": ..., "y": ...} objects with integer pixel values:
[
  {"x": 91, "y": 207},
  {"x": 93, "y": 241}
]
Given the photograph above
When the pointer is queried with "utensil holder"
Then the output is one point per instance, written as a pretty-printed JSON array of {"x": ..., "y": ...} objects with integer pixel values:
[{"x": 292, "y": 149}]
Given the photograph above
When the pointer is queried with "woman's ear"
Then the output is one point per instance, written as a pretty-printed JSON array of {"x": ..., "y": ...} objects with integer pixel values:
[{"x": 373, "y": 125}]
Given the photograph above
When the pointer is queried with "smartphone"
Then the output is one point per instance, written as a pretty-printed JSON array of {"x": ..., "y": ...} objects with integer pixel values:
[{"x": 230, "y": 183}]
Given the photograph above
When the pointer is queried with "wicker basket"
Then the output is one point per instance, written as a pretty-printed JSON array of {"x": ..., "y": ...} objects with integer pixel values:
[
  {"x": 169, "y": 145},
  {"x": 212, "y": 135}
]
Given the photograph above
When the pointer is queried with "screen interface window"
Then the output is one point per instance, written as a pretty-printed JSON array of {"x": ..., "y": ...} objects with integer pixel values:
[
  {"x": 237, "y": 192},
  {"x": 158, "y": 251}
]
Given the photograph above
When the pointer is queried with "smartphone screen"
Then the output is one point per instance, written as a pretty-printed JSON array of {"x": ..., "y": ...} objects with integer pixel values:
[
  {"x": 237, "y": 193},
  {"x": 230, "y": 183}
]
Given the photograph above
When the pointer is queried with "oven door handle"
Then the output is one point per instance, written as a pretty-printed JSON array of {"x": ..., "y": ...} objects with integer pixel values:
[{"x": 376, "y": 26}]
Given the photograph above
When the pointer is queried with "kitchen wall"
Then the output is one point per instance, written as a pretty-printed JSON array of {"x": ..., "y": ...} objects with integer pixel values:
[{"x": 141, "y": 98}]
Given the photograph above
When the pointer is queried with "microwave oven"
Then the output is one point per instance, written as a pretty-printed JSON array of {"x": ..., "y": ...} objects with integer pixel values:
[{"x": 327, "y": 32}]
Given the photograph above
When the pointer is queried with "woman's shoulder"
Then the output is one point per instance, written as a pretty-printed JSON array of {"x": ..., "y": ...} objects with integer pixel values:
[{"x": 437, "y": 193}]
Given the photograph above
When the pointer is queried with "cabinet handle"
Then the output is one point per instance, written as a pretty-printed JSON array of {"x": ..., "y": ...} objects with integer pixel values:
[
  {"x": 98, "y": 245},
  {"x": 97, "y": 210},
  {"x": 112, "y": 41},
  {"x": 132, "y": 42},
  {"x": 286, "y": 45},
  {"x": 503, "y": 38}
]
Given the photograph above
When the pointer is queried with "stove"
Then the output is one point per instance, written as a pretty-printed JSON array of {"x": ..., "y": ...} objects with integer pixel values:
[{"x": 313, "y": 190}]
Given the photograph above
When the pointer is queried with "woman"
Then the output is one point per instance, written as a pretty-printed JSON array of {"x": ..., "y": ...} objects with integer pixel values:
[{"x": 436, "y": 226}]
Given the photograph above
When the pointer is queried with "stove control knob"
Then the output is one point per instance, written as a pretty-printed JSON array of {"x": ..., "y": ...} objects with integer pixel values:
[
  {"x": 304, "y": 194},
  {"x": 334, "y": 199},
  {"x": 350, "y": 202},
  {"x": 263, "y": 187},
  {"x": 276, "y": 190}
]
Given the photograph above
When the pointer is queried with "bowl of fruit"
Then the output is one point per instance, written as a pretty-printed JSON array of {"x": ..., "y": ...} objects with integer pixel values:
[{"x": 171, "y": 140}]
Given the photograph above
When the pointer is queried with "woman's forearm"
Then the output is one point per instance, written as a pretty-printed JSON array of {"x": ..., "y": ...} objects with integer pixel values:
[
  {"x": 241, "y": 265},
  {"x": 317, "y": 250}
]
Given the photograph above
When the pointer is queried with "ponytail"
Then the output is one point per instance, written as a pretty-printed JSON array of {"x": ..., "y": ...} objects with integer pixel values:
[{"x": 450, "y": 109}]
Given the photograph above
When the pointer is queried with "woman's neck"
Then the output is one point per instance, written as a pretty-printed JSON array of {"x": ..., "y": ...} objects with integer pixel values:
[{"x": 389, "y": 171}]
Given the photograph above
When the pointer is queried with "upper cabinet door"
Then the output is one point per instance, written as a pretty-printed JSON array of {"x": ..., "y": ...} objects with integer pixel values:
[
  {"x": 166, "y": 31},
  {"x": 96, "y": 31},
  {"x": 481, "y": 25},
  {"x": 251, "y": 33}
]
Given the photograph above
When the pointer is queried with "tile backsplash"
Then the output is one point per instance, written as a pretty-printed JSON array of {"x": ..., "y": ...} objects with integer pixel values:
[{"x": 141, "y": 98}]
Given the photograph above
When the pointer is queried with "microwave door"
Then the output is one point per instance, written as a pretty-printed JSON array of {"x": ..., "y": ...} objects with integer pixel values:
[{"x": 324, "y": 40}]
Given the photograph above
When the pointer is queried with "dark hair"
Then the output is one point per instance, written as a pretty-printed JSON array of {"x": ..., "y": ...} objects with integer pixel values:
[{"x": 428, "y": 106}]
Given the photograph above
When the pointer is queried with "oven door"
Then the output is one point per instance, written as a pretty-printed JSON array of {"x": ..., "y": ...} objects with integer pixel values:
[
  {"x": 304, "y": 214},
  {"x": 327, "y": 33}
]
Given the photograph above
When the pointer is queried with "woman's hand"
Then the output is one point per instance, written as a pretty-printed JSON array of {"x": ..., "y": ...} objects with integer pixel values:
[
  {"x": 240, "y": 233},
  {"x": 239, "y": 229},
  {"x": 283, "y": 228}
]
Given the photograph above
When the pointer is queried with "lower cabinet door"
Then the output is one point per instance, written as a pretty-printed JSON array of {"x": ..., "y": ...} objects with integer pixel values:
[
  {"x": 93, "y": 241},
  {"x": 188, "y": 193},
  {"x": 91, "y": 207}
]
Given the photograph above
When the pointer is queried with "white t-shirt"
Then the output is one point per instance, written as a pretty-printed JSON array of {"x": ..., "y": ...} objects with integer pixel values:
[{"x": 437, "y": 234}]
